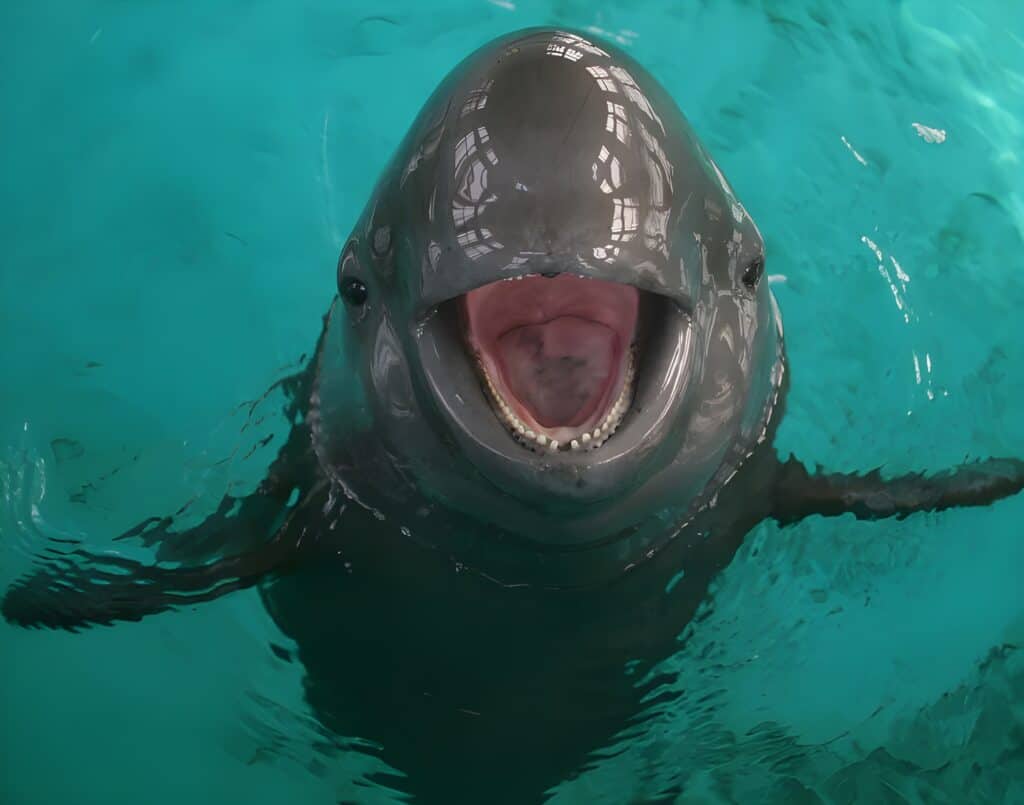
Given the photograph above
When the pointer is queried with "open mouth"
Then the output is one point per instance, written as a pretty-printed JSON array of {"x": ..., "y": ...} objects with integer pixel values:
[{"x": 556, "y": 356}]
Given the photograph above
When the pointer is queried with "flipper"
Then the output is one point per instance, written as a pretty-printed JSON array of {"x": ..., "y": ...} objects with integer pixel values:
[
  {"x": 77, "y": 588},
  {"x": 799, "y": 493},
  {"x": 237, "y": 546}
]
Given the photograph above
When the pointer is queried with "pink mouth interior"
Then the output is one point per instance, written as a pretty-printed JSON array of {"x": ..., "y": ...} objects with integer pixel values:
[{"x": 555, "y": 349}]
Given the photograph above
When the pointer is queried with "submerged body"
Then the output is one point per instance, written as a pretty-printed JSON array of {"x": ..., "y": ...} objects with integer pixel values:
[{"x": 538, "y": 421}]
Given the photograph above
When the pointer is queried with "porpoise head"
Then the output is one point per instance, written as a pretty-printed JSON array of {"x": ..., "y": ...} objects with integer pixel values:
[{"x": 552, "y": 316}]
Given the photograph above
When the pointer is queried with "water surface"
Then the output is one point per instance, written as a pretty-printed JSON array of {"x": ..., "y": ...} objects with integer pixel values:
[{"x": 178, "y": 179}]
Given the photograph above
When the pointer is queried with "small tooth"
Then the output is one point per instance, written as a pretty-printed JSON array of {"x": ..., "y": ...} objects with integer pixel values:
[
  {"x": 554, "y": 445},
  {"x": 531, "y": 435},
  {"x": 542, "y": 439},
  {"x": 585, "y": 438},
  {"x": 574, "y": 444},
  {"x": 597, "y": 431},
  {"x": 520, "y": 429}
]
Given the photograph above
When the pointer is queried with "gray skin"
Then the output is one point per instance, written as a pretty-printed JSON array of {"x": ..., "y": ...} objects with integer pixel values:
[
  {"x": 469, "y": 605},
  {"x": 508, "y": 171}
]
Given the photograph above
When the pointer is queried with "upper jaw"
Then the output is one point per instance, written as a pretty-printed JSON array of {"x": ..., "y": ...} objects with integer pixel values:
[{"x": 458, "y": 276}]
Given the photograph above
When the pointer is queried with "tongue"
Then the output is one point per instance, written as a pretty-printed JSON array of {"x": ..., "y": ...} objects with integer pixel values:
[{"x": 559, "y": 371}]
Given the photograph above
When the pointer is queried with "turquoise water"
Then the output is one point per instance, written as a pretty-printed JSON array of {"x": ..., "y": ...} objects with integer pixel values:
[{"x": 178, "y": 179}]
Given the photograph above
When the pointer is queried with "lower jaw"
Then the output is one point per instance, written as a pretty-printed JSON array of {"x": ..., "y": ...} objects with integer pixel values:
[{"x": 558, "y": 439}]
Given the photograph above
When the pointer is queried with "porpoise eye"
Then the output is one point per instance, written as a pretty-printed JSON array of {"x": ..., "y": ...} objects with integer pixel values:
[
  {"x": 354, "y": 291},
  {"x": 752, "y": 273}
]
